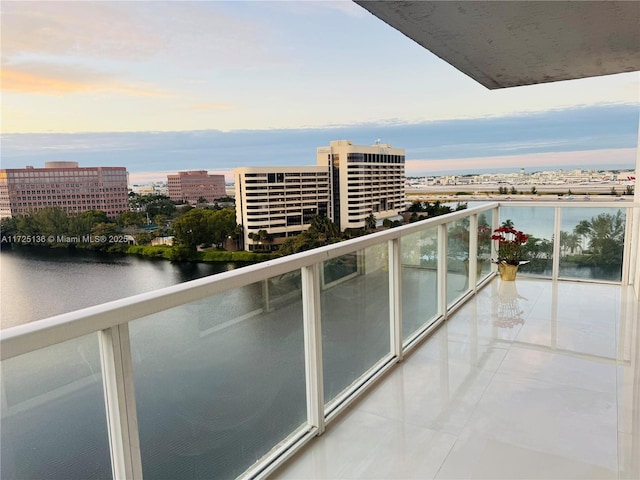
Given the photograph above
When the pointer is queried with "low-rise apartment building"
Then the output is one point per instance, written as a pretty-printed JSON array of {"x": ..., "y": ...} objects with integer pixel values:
[
  {"x": 66, "y": 185},
  {"x": 280, "y": 200}
]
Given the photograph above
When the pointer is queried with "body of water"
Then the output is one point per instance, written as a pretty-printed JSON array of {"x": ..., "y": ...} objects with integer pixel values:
[
  {"x": 36, "y": 284},
  {"x": 218, "y": 382}
]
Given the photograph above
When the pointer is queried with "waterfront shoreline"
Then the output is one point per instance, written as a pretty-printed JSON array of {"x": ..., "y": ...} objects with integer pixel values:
[{"x": 159, "y": 252}]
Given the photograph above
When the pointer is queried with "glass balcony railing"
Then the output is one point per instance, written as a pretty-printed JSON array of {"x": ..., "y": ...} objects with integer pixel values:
[
  {"x": 223, "y": 378},
  {"x": 419, "y": 279},
  {"x": 53, "y": 413},
  {"x": 228, "y": 375},
  {"x": 571, "y": 242}
]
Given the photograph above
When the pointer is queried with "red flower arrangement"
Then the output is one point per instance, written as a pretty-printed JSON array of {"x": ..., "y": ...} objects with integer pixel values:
[{"x": 510, "y": 243}]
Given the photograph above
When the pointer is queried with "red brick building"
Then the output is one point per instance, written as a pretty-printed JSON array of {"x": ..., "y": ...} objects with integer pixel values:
[
  {"x": 65, "y": 185},
  {"x": 189, "y": 186}
]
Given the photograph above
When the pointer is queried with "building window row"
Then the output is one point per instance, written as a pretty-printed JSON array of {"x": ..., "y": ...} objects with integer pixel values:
[{"x": 374, "y": 158}]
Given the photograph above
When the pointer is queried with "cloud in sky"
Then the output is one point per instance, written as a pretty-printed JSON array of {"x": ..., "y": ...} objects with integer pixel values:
[
  {"x": 51, "y": 79},
  {"x": 185, "y": 32},
  {"x": 585, "y": 136},
  {"x": 123, "y": 50},
  {"x": 279, "y": 65},
  {"x": 96, "y": 29}
]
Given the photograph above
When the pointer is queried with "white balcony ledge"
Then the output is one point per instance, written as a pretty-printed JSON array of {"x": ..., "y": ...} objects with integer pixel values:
[{"x": 529, "y": 379}]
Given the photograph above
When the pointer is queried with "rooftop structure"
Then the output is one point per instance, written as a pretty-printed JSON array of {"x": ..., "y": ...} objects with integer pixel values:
[{"x": 66, "y": 185}]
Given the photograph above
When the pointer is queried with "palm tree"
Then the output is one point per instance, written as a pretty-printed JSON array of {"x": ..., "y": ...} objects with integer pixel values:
[
  {"x": 508, "y": 223},
  {"x": 569, "y": 242},
  {"x": 237, "y": 236},
  {"x": 605, "y": 234},
  {"x": 324, "y": 227},
  {"x": 261, "y": 238},
  {"x": 370, "y": 222}
]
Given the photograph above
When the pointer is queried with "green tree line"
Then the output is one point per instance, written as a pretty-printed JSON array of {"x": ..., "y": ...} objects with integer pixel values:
[
  {"x": 54, "y": 227},
  {"x": 93, "y": 230},
  {"x": 596, "y": 242}
]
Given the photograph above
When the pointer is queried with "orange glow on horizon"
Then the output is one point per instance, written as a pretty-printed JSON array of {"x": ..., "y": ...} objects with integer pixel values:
[{"x": 24, "y": 82}]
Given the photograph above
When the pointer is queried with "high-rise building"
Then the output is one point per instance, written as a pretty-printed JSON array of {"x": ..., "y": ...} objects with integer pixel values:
[
  {"x": 349, "y": 184},
  {"x": 279, "y": 200},
  {"x": 65, "y": 185},
  {"x": 365, "y": 180},
  {"x": 191, "y": 186}
]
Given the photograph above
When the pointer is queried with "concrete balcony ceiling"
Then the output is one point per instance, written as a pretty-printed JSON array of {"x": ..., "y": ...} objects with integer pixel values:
[{"x": 508, "y": 44}]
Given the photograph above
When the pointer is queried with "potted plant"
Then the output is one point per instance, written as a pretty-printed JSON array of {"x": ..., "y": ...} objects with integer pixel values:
[{"x": 509, "y": 249}]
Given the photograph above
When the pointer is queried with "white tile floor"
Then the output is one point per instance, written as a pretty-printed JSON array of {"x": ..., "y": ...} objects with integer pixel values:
[{"x": 530, "y": 379}]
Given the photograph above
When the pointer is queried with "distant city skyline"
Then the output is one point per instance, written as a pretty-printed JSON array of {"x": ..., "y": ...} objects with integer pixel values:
[{"x": 205, "y": 85}]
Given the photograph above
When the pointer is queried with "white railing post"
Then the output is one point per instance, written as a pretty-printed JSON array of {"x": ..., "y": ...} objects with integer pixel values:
[
  {"x": 473, "y": 252},
  {"x": 120, "y": 402},
  {"x": 626, "y": 251},
  {"x": 634, "y": 245},
  {"x": 495, "y": 223},
  {"x": 442, "y": 270},
  {"x": 266, "y": 301},
  {"x": 395, "y": 298},
  {"x": 557, "y": 223},
  {"x": 313, "y": 346}
]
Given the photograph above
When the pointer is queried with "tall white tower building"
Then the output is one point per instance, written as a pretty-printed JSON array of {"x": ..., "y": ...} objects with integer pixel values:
[
  {"x": 364, "y": 180},
  {"x": 348, "y": 184}
]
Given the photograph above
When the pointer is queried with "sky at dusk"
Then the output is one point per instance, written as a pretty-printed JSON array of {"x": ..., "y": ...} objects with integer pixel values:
[{"x": 159, "y": 87}]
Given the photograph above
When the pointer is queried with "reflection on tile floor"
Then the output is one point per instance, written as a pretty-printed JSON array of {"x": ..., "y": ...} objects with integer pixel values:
[{"x": 530, "y": 379}]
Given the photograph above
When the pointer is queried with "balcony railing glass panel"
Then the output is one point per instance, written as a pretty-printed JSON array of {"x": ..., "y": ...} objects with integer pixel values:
[
  {"x": 485, "y": 220},
  {"x": 592, "y": 243},
  {"x": 355, "y": 317},
  {"x": 54, "y": 424},
  {"x": 419, "y": 280},
  {"x": 457, "y": 259},
  {"x": 220, "y": 382},
  {"x": 538, "y": 223}
]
